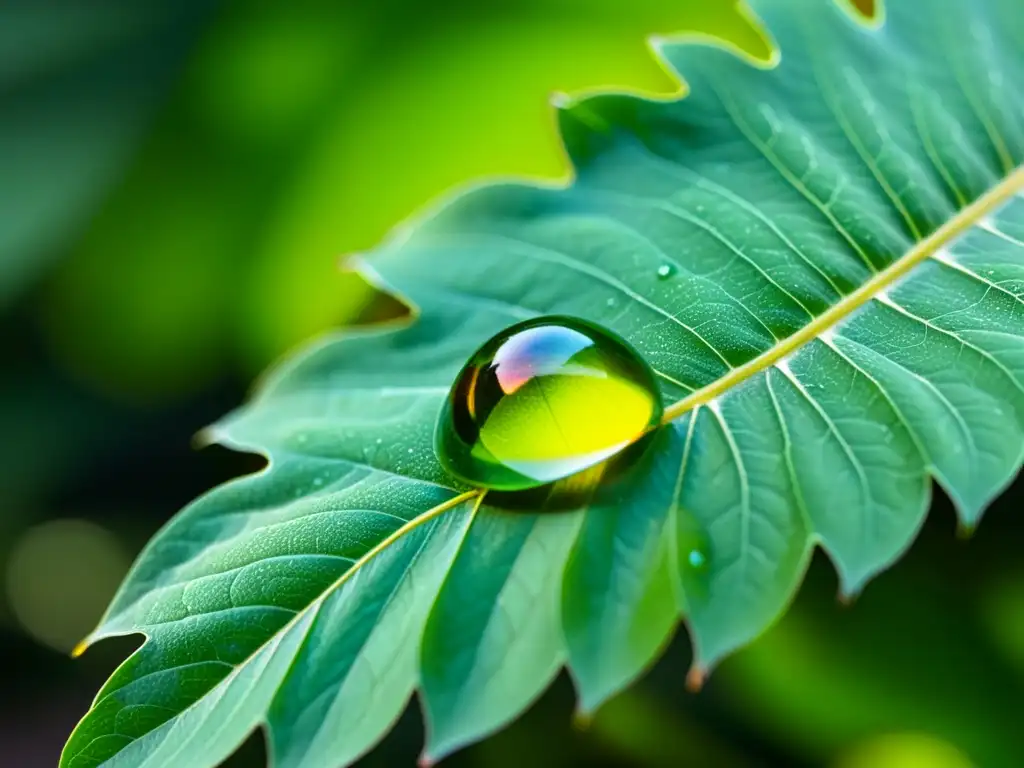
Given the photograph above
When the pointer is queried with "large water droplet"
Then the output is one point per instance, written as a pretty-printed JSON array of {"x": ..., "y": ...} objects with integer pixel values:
[{"x": 543, "y": 400}]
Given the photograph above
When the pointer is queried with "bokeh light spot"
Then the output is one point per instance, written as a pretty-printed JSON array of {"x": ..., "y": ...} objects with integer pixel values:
[
  {"x": 60, "y": 577},
  {"x": 905, "y": 750},
  {"x": 1002, "y": 611}
]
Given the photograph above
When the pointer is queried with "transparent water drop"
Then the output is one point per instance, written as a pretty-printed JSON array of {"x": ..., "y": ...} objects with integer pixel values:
[
  {"x": 696, "y": 559},
  {"x": 693, "y": 546},
  {"x": 543, "y": 400},
  {"x": 666, "y": 271},
  {"x": 610, "y": 302}
]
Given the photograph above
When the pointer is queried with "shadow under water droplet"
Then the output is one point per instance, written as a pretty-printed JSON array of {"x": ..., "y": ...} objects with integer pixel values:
[{"x": 591, "y": 487}]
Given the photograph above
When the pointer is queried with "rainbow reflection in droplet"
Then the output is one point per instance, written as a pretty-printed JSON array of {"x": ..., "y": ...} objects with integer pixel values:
[{"x": 543, "y": 400}]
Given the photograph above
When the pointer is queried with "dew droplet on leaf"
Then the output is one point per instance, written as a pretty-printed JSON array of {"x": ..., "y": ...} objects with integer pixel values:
[
  {"x": 693, "y": 546},
  {"x": 665, "y": 271},
  {"x": 696, "y": 558},
  {"x": 543, "y": 400}
]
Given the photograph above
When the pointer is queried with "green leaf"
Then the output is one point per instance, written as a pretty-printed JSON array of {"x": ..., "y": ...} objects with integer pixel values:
[
  {"x": 358, "y": 666},
  {"x": 618, "y": 608},
  {"x": 842, "y": 323},
  {"x": 493, "y": 642}
]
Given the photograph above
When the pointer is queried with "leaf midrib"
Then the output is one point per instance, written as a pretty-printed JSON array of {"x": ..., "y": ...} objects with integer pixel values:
[
  {"x": 964, "y": 219},
  {"x": 421, "y": 519}
]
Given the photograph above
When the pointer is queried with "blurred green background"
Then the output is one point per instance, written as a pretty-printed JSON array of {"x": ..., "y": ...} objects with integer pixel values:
[{"x": 179, "y": 180}]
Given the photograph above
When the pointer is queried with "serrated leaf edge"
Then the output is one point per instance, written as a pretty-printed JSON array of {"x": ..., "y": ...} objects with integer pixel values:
[{"x": 412, "y": 524}]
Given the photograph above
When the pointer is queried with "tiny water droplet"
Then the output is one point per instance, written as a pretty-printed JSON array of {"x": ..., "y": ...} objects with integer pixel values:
[
  {"x": 665, "y": 271},
  {"x": 302, "y": 438},
  {"x": 696, "y": 559},
  {"x": 610, "y": 302},
  {"x": 542, "y": 400},
  {"x": 411, "y": 451},
  {"x": 318, "y": 481},
  {"x": 694, "y": 546},
  {"x": 379, "y": 441}
]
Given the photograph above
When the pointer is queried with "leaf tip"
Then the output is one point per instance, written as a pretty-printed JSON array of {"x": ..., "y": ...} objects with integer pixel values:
[
  {"x": 205, "y": 437},
  {"x": 582, "y": 718},
  {"x": 82, "y": 647},
  {"x": 560, "y": 100},
  {"x": 352, "y": 262},
  {"x": 867, "y": 12},
  {"x": 436, "y": 749},
  {"x": 696, "y": 678},
  {"x": 848, "y": 593},
  {"x": 965, "y": 529}
]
